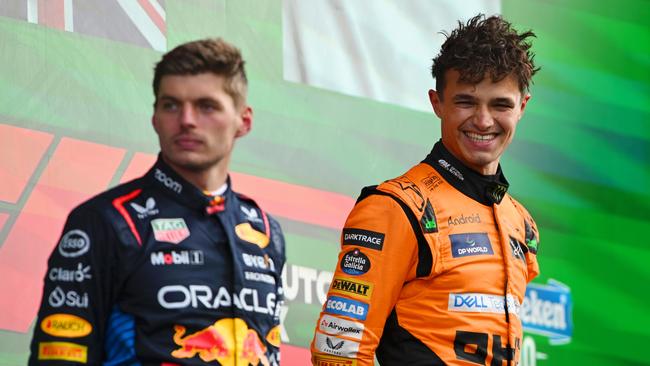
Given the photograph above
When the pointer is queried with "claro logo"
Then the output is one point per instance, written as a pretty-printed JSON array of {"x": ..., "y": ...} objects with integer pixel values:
[
  {"x": 74, "y": 243},
  {"x": 167, "y": 181}
]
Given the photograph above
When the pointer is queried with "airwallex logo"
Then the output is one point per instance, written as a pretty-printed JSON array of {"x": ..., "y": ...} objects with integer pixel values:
[{"x": 547, "y": 310}]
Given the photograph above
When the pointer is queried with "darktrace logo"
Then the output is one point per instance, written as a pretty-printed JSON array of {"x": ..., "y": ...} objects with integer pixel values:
[
  {"x": 364, "y": 238},
  {"x": 463, "y": 245},
  {"x": 474, "y": 218},
  {"x": 355, "y": 263}
]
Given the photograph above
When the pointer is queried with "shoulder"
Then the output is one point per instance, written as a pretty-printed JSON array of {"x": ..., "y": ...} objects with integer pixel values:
[
  {"x": 249, "y": 210},
  {"x": 103, "y": 205}
]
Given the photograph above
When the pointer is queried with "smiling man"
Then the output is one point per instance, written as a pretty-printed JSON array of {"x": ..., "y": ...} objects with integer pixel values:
[
  {"x": 434, "y": 264},
  {"x": 174, "y": 267}
]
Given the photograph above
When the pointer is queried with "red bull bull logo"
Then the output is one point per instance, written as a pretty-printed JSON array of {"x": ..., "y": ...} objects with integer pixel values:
[{"x": 228, "y": 341}]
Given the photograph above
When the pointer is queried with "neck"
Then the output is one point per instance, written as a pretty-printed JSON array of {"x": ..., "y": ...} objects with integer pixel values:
[{"x": 206, "y": 179}]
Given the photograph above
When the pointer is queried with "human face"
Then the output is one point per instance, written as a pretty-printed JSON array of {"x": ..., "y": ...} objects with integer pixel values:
[
  {"x": 197, "y": 122},
  {"x": 478, "y": 120}
]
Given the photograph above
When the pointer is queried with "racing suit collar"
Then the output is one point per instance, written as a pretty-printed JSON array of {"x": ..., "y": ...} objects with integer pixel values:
[
  {"x": 170, "y": 182},
  {"x": 486, "y": 189}
]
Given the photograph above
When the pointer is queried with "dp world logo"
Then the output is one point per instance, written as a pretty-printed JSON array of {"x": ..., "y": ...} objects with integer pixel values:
[{"x": 74, "y": 243}]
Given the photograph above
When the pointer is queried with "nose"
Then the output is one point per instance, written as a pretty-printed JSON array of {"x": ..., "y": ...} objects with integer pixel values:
[
  {"x": 187, "y": 116},
  {"x": 483, "y": 119}
]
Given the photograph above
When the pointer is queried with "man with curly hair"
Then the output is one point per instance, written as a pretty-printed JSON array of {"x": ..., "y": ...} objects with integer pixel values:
[{"x": 434, "y": 263}]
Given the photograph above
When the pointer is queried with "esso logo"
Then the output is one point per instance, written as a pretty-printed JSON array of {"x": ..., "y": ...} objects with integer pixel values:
[{"x": 74, "y": 243}]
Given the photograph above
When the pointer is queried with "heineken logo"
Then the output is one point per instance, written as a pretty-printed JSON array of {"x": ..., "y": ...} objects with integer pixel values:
[{"x": 170, "y": 230}]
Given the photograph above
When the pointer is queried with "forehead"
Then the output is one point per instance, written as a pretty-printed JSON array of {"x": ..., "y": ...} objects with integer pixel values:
[
  {"x": 203, "y": 84},
  {"x": 486, "y": 88}
]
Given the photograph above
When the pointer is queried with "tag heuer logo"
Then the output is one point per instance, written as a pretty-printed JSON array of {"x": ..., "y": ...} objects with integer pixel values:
[{"x": 170, "y": 230}]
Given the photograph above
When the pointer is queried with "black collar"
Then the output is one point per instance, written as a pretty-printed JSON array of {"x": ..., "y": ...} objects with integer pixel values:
[
  {"x": 486, "y": 189},
  {"x": 167, "y": 180}
]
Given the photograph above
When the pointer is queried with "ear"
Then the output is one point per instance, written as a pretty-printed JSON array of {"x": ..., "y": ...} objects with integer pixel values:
[
  {"x": 436, "y": 102},
  {"x": 246, "y": 115},
  {"x": 524, "y": 102},
  {"x": 153, "y": 123}
]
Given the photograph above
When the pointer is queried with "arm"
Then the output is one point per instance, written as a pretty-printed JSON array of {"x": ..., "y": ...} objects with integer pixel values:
[
  {"x": 378, "y": 255},
  {"x": 76, "y": 294}
]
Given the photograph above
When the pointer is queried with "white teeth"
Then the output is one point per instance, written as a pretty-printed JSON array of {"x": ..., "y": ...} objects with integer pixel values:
[{"x": 479, "y": 137}]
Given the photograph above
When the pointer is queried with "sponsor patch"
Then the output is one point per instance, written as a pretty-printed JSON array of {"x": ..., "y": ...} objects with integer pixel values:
[
  {"x": 73, "y": 299},
  {"x": 167, "y": 181},
  {"x": 463, "y": 245},
  {"x": 149, "y": 208},
  {"x": 451, "y": 169},
  {"x": 518, "y": 249},
  {"x": 58, "y": 274},
  {"x": 251, "y": 214},
  {"x": 474, "y": 218},
  {"x": 273, "y": 336},
  {"x": 65, "y": 351},
  {"x": 334, "y": 325},
  {"x": 428, "y": 220},
  {"x": 363, "y": 238},
  {"x": 348, "y": 307},
  {"x": 66, "y": 325},
  {"x": 74, "y": 243},
  {"x": 324, "y": 360},
  {"x": 246, "y": 232},
  {"x": 355, "y": 263},
  {"x": 431, "y": 181},
  {"x": 347, "y": 286},
  {"x": 483, "y": 303},
  {"x": 177, "y": 257},
  {"x": 170, "y": 230},
  {"x": 336, "y": 346}
]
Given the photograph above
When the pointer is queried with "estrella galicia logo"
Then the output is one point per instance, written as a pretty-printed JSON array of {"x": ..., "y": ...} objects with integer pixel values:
[
  {"x": 546, "y": 310},
  {"x": 364, "y": 238},
  {"x": 428, "y": 220},
  {"x": 342, "y": 306},
  {"x": 463, "y": 245},
  {"x": 355, "y": 263}
]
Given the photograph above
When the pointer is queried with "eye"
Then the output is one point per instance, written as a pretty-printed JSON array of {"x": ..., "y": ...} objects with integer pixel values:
[
  {"x": 464, "y": 103},
  {"x": 503, "y": 106},
  {"x": 168, "y": 106},
  {"x": 208, "y": 106}
]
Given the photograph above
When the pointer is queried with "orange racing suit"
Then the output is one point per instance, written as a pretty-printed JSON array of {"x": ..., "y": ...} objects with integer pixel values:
[{"x": 432, "y": 270}]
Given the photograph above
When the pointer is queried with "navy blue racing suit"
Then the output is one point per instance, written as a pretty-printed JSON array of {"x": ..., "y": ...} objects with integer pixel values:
[{"x": 154, "y": 271}]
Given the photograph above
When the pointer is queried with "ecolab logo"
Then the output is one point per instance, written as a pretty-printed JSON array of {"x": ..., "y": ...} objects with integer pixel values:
[
  {"x": 191, "y": 257},
  {"x": 546, "y": 310},
  {"x": 167, "y": 181}
]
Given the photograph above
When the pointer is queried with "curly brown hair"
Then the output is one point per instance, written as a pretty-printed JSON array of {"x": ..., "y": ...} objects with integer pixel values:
[
  {"x": 207, "y": 55},
  {"x": 485, "y": 46}
]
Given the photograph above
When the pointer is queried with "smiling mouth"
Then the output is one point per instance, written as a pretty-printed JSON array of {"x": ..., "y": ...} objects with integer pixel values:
[{"x": 479, "y": 137}]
